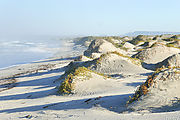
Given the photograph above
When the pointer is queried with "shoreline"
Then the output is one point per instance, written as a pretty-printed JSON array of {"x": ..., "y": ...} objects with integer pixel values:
[
  {"x": 22, "y": 53},
  {"x": 101, "y": 87},
  {"x": 9, "y": 81},
  {"x": 10, "y": 73},
  {"x": 63, "y": 55}
]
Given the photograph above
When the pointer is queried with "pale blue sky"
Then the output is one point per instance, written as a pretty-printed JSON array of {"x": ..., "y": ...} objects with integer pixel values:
[{"x": 87, "y": 17}]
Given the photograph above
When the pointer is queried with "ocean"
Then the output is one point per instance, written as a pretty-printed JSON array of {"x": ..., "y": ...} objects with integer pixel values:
[{"x": 22, "y": 50}]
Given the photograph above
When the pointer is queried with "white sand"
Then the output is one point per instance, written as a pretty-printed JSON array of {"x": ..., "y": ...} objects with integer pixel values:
[
  {"x": 156, "y": 54},
  {"x": 163, "y": 95},
  {"x": 35, "y": 95}
]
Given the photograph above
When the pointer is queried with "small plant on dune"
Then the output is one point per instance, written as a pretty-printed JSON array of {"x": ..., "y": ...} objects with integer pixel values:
[
  {"x": 82, "y": 73},
  {"x": 67, "y": 85},
  {"x": 143, "y": 89}
]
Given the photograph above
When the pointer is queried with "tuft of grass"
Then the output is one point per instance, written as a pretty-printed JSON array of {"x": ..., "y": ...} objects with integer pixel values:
[
  {"x": 143, "y": 89},
  {"x": 67, "y": 86}
]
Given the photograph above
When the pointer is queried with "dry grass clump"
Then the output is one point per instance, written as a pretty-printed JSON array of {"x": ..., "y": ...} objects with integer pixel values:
[
  {"x": 81, "y": 73},
  {"x": 67, "y": 85},
  {"x": 143, "y": 89}
]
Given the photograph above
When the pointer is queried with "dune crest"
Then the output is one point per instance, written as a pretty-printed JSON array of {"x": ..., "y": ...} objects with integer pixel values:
[{"x": 161, "y": 89}]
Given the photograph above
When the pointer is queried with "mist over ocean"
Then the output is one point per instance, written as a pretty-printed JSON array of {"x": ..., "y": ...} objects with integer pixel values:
[{"x": 14, "y": 51}]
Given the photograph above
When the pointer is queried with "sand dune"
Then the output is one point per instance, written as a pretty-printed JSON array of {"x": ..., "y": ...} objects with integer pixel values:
[
  {"x": 156, "y": 53},
  {"x": 159, "y": 93},
  {"x": 106, "y": 83}
]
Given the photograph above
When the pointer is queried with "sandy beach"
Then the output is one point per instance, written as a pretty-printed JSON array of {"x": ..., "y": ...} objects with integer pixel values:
[{"x": 31, "y": 91}]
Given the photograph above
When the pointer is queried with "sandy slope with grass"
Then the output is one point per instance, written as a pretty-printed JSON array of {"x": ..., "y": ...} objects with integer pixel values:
[
  {"x": 36, "y": 92},
  {"x": 35, "y": 96}
]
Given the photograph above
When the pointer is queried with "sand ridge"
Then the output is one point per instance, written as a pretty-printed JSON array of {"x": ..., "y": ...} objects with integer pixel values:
[{"x": 102, "y": 92}]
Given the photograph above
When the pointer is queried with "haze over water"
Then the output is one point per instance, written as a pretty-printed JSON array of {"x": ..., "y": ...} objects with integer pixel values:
[{"x": 15, "y": 51}]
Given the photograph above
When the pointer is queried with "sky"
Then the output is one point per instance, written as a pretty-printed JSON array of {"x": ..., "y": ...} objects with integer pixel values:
[{"x": 87, "y": 17}]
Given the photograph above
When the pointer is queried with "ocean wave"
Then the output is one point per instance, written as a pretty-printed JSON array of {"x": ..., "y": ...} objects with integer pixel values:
[{"x": 25, "y": 51}]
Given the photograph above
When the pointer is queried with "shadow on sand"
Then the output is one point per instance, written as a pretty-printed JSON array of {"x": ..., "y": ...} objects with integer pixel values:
[
  {"x": 115, "y": 103},
  {"x": 47, "y": 83}
]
